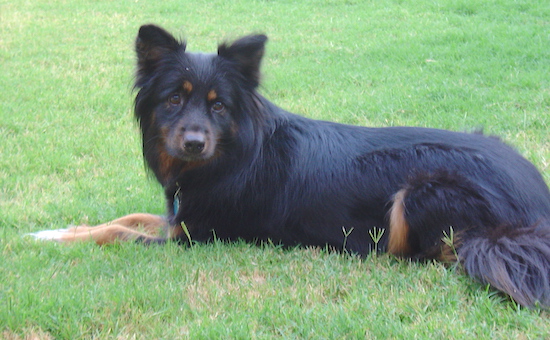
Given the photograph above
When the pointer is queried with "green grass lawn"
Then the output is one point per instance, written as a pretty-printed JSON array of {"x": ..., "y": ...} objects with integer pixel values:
[{"x": 70, "y": 154}]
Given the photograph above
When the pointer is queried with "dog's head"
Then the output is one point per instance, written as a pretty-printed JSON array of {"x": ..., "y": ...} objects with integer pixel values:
[{"x": 189, "y": 104}]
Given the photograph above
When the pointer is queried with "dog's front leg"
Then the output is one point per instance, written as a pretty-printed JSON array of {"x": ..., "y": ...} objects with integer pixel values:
[{"x": 143, "y": 227}]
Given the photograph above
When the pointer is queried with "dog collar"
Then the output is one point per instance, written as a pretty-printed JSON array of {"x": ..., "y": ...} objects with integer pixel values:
[{"x": 176, "y": 200}]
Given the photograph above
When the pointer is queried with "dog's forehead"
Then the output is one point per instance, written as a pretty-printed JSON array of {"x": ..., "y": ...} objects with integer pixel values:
[
  {"x": 199, "y": 63},
  {"x": 199, "y": 69},
  {"x": 199, "y": 57}
]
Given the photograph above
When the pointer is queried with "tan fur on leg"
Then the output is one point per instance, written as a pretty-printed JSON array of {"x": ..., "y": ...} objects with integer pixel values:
[
  {"x": 127, "y": 228},
  {"x": 399, "y": 228}
]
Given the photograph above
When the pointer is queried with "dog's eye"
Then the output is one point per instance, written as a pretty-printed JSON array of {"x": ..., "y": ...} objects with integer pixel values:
[
  {"x": 175, "y": 99},
  {"x": 218, "y": 107}
]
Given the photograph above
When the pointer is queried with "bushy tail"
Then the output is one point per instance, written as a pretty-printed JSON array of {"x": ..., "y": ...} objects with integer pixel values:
[{"x": 516, "y": 262}]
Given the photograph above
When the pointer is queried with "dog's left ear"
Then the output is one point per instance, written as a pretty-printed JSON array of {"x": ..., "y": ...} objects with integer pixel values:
[{"x": 247, "y": 52}]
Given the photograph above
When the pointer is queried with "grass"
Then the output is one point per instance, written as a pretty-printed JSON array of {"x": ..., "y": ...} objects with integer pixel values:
[
  {"x": 70, "y": 153},
  {"x": 242, "y": 291}
]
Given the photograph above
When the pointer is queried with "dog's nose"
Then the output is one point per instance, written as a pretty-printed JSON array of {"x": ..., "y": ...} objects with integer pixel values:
[{"x": 194, "y": 143}]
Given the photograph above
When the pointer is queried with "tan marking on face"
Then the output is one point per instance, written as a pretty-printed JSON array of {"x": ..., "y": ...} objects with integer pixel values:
[
  {"x": 170, "y": 167},
  {"x": 167, "y": 164},
  {"x": 212, "y": 95},
  {"x": 187, "y": 86}
]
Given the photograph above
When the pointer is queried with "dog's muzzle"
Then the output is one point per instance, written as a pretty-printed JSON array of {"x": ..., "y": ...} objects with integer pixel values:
[{"x": 194, "y": 142}]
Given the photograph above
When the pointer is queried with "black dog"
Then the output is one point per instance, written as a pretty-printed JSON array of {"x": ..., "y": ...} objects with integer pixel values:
[{"x": 234, "y": 165}]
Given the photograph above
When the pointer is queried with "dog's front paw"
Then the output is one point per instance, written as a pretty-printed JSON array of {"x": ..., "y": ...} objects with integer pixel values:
[{"x": 49, "y": 235}]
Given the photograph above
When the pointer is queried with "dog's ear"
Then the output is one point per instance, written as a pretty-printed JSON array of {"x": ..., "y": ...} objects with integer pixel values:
[
  {"x": 247, "y": 52},
  {"x": 152, "y": 43}
]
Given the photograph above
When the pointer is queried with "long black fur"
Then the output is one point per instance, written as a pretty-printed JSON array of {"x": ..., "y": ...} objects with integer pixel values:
[{"x": 234, "y": 165}]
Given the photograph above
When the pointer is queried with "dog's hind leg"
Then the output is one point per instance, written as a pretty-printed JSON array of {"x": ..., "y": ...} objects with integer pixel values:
[
  {"x": 508, "y": 251},
  {"x": 143, "y": 227},
  {"x": 433, "y": 207}
]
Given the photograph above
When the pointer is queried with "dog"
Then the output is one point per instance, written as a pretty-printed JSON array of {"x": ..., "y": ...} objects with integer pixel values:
[{"x": 235, "y": 166}]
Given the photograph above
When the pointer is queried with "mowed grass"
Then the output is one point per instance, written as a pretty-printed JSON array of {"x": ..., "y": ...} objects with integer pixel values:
[{"x": 70, "y": 154}]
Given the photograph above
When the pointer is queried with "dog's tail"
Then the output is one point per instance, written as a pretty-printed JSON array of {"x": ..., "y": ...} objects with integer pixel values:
[{"x": 513, "y": 260}]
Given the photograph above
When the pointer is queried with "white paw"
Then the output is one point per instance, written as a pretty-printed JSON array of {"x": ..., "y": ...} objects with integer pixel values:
[{"x": 49, "y": 235}]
